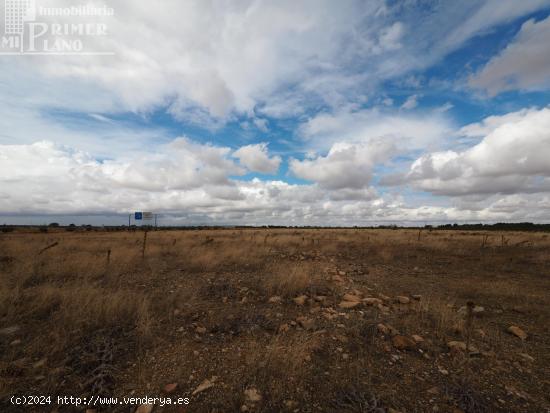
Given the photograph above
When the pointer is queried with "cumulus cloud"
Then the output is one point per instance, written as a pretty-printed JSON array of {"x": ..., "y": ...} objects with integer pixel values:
[
  {"x": 511, "y": 158},
  {"x": 346, "y": 166},
  {"x": 523, "y": 64},
  {"x": 256, "y": 158}
]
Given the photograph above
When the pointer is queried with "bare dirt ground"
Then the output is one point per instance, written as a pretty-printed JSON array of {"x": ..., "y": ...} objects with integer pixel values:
[{"x": 289, "y": 320}]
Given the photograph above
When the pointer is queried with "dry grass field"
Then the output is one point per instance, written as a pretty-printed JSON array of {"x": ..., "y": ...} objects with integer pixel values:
[{"x": 291, "y": 320}]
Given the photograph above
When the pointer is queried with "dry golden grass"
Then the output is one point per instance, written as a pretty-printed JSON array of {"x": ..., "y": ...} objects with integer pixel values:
[{"x": 208, "y": 291}]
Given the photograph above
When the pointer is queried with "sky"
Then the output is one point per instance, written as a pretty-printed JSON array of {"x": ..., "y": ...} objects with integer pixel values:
[{"x": 256, "y": 112}]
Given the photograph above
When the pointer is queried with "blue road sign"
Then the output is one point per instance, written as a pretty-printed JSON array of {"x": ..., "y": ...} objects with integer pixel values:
[{"x": 138, "y": 216}]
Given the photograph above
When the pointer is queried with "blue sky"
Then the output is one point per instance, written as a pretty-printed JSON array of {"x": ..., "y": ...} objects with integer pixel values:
[{"x": 293, "y": 113}]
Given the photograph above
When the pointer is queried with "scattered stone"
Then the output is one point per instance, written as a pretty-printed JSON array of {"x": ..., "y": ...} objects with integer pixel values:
[
  {"x": 433, "y": 390},
  {"x": 320, "y": 298},
  {"x": 200, "y": 330},
  {"x": 478, "y": 310},
  {"x": 349, "y": 304},
  {"x": 372, "y": 301},
  {"x": 416, "y": 297},
  {"x": 403, "y": 342},
  {"x": 417, "y": 338},
  {"x": 275, "y": 299},
  {"x": 384, "y": 297},
  {"x": 527, "y": 357},
  {"x": 515, "y": 392},
  {"x": 6, "y": 331},
  {"x": 300, "y": 300},
  {"x": 341, "y": 272},
  {"x": 205, "y": 385},
  {"x": 39, "y": 363},
  {"x": 518, "y": 332},
  {"x": 283, "y": 328},
  {"x": 170, "y": 388},
  {"x": 145, "y": 408},
  {"x": 351, "y": 297},
  {"x": 401, "y": 299},
  {"x": 456, "y": 345},
  {"x": 252, "y": 395},
  {"x": 382, "y": 328},
  {"x": 15, "y": 342},
  {"x": 337, "y": 279},
  {"x": 306, "y": 323}
]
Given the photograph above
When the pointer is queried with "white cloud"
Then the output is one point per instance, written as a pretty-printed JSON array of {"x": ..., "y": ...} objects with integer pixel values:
[
  {"x": 511, "y": 158},
  {"x": 208, "y": 60},
  {"x": 256, "y": 158},
  {"x": 44, "y": 178},
  {"x": 523, "y": 64},
  {"x": 405, "y": 131},
  {"x": 346, "y": 166},
  {"x": 410, "y": 103}
]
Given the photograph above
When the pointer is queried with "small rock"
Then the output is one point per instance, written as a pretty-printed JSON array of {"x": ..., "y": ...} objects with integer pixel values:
[
  {"x": 170, "y": 388},
  {"x": 349, "y": 304},
  {"x": 283, "y": 328},
  {"x": 478, "y": 310},
  {"x": 527, "y": 357},
  {"x": 401, "y": 299},
  {"x": 341, "y": 272},
  {"x": 39, "y": 363},
  {"x": 456, "y": 345},
  {"x": 15, "y": 342},
  {"x": 320, "y": 298},
  {"x": 384, "y": 297},
  {"x": 145, "y": 408},
  {"x": 417, "y": 338},
  {"x": 403, "y": 342},
  {"x": 433, "y": 390},
  {"x": 372, "y": 301},
  {"x": 200, "y": 330},
  {"x": 252, "y": 395},
  {"x": 382, "y": 328},
  {"x": 337, "y": 279},
  {"x": 290, "y": 404},
  {"x": 6, "y": 331},
  {"x": 306, "y": 323},
  {"x": 275, "y": 299},
  {"x": 416, "y": 297},
  {"x": 518, "y": 332},
  {"x": 205, "y": 385},
  {"x": 300, "y": 300},
  {"x": 351, "y": 297}
]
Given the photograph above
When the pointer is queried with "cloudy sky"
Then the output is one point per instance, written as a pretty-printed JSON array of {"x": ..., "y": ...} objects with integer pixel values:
[{"x": 285, "y": 112}]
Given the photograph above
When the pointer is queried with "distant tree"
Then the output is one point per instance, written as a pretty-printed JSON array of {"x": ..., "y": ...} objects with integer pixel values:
[{"x": 53, "y": 225}]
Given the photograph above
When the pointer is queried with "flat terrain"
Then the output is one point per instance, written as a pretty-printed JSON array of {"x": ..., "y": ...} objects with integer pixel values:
[{"x": 279, "y": 320}]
